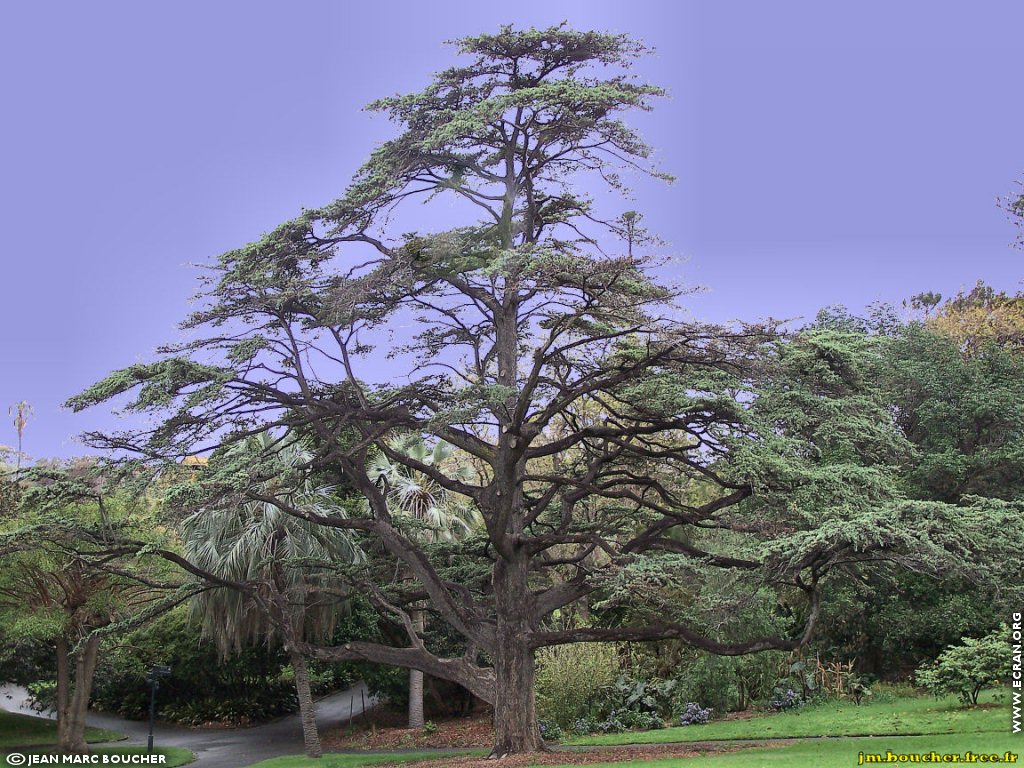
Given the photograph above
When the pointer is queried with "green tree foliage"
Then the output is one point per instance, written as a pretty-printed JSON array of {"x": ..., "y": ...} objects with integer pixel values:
[
  {"x": 891, "y": 622},
  {"x": 964, "y": 415},
  {"x": 283, "y": 562},
  {"x": 442, "y": 516},
  {"x": 955, "y": 393},
  {"x": 967, "y": 668},
  {"x": 66, "y": 580},
  {"x": 617, "y": 450},
  {"x": 250, "y": 685}
]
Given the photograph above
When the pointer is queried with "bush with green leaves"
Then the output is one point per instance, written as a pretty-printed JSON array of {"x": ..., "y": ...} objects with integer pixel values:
[
  {"x": 797, "y": 688},
  {"x": 550, "y": 730},
  {"x": 42, "y": 695},
  {"x": 858, "y": 687},
  {"x": 627, "y": 694},
  {"x": 641, "y": 721},
  {"x": 967, "y": 668},
  {"x": 256, "y": 705},
  {"x": 569, "y": 680},
  {"x": 252, "y": 685},
  {"x": 726, "y": 683},
  {"x": 694, "y": 714},
  {"x": 627, "y": 704},
  {"x": 785, "y": 698},
  {"x": 582, "y": 726}
]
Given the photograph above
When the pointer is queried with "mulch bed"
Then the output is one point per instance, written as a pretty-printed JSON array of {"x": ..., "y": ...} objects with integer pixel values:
[{"x": 382, "y": 730}]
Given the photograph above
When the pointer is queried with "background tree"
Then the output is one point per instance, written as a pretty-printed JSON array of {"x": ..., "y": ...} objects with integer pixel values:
[
  {"x": 599, "y": 424},
  {"x": 444, "y": 517},
  {"x": 287, "y": 563},
  {"x": 981, "y": 318},
  {"x": 21, "y": 412},
  {"x": 954, "y": 391},
  {"x": 963, "y": 411},
  {"x": 64, "y": 580},
  {"x": 967, "y": 668},
  {"x": 1014, "y": 206}
]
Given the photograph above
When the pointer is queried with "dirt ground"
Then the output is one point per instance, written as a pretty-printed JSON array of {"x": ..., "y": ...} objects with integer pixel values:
[{"x": 384, "y": 730}]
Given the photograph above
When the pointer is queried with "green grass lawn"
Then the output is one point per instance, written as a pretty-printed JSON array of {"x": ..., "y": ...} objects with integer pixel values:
[
  {"x": 891, "y": 725},
  {"x": 24, "y": 730},
  {"x": 810, "y": 753},
  {"x": 839, "y": 753},
  {"x": 175, "y": 755},
  {"x": 330, "y": 760},
  {"x": 904, "y": 716},
  {"x": 38, "y": 733}
]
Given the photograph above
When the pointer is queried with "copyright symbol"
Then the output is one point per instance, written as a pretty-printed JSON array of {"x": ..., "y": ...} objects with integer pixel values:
[{"x": 15, "y": 758}]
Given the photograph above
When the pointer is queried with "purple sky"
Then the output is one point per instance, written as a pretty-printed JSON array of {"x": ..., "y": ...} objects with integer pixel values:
[{"x": 825, "y": 153}]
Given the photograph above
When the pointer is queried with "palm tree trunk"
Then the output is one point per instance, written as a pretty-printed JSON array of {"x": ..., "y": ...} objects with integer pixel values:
[
  {"x": 416, "y": 680},
  {"x": 307, "y": 708}
]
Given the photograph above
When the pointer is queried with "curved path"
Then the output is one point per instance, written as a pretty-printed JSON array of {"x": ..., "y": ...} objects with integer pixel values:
[{"x": 219, "y": 748}]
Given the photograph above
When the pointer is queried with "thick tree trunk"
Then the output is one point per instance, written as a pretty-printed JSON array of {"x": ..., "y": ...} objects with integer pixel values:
[
  {"x": 71, "y": 732},
  {"x": 416, "y": 681},
  {"x": 307, "y": 708},
  {"x": 515, "y": 712}
]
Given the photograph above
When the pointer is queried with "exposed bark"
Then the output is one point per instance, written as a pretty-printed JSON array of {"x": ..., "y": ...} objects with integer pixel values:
[
  {"x": 416, "y": 681},
  {"x": 477, "y": 680},
  {"x": 515, "y": 713},
  {"x": 415, "y": 698}
]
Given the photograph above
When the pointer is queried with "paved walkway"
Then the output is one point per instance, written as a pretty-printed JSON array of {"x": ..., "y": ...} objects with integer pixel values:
[{"x": 219, "y": 748}]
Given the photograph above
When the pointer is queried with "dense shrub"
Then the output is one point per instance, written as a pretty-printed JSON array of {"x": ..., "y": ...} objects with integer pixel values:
[
  {"x": 581, "y": 726},
  {"x": 967, "y": 668},
  {"x": 611, "y": 724},
  {"x": 694, "y": 714},
  {"x": 641, "y": 721},
  {"x": 256, "y": 705},
  {"x": 389, "y": 684},
  {"x": 42, "y": 695},
  {"x": 550, "y": 730},
  {"x": 640, "y": 696},
  {"x": 569, "y": 681},
  {"x": 726, "y": 683},
  {"x": 795, "y": 689},
  {"x": 253, "y": 685},
  {"x": 785, "y": 698},
  {"x": 627, "y": 704}
]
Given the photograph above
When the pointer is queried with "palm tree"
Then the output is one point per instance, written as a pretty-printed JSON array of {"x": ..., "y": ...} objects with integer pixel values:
[
  {"x": 443, "y": 516},
  {"x": 21, "y": 412},
  {"x": 259, "y": 544}
]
